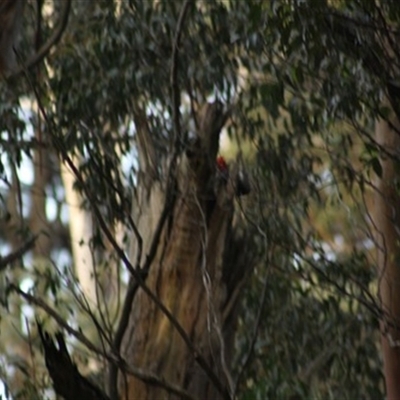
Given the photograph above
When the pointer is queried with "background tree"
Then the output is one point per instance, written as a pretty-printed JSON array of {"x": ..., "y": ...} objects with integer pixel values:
[{"x": 177, "y": 287}]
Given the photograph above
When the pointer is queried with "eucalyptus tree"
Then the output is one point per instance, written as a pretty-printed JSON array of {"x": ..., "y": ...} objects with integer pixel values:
[{"x": 151, "y": 123}]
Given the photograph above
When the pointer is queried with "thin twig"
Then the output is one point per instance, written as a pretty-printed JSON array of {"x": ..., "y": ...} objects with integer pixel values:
[
  {"x": 250, "y": 351},
  {"x": 17, "y": 254},
  {"x": 136, "y": 274},
  {"x": 168, "y": 205},
  {"x": 134, "y": 286},
  {"x": 137, "y": 372}
]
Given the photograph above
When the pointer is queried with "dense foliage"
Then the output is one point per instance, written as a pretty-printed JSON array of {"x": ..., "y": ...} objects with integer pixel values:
[{"x": 305, "y": 81}]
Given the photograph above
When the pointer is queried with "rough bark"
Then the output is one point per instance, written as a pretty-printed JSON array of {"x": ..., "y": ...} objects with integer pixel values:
[
  {"x": 188, "y": 276},
  {"x": 387, "y": 223}
]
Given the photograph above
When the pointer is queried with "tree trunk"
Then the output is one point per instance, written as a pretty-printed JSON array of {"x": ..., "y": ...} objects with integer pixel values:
[
  {"x": 189, "y": 276},
  {"x": 80, "y": 226},
  {"x": 10, "y": 18},
  {"x": 387, "y": 223}
]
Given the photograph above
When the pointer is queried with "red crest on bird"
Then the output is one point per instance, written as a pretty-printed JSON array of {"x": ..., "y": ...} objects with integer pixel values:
[{"x": 221, "y": 164}]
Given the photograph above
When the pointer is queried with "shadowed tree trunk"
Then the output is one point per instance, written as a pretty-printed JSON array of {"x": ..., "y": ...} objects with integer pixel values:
[
  {"x": 387, "y": 222},
  {"x": 193, "y": 274},
  {"x": 10, "y": 16}
]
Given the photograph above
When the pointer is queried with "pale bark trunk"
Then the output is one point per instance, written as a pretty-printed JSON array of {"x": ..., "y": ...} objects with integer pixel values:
[
  {"x": 80, "y": 225},
  {"x": 18, "y": 347},
  {"x": 387, "y": 223}
]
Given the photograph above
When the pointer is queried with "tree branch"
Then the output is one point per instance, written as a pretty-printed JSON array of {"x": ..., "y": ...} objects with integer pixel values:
[
  {"x": 10, "y": 258},
  {"x": 59, "y": 145},
  {"x": 145, "y": 376},
  {"x": 53, "y": 40},
  {"x": 138, "y": 276},
  {"x": 253, "y": 341},
  {"x": 348, "y": 41}
]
